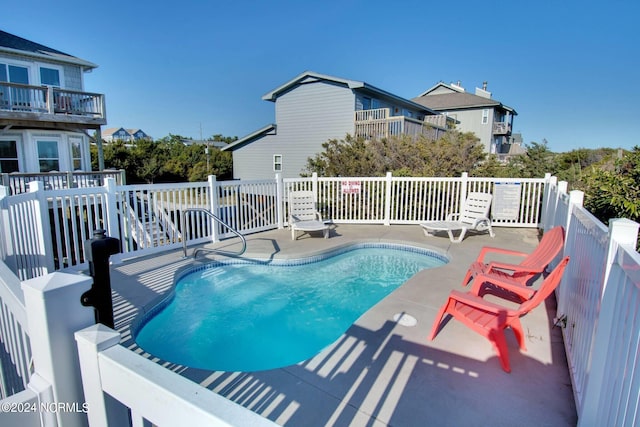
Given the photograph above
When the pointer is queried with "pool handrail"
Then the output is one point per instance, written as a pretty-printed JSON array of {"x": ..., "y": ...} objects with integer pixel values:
[{"x": 212, "y": 215}]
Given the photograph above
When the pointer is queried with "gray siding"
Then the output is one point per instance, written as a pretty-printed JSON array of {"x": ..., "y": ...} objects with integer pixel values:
[
  {"x": 471, "y": 121},
  {"x": 306, "y": 116},
  {"x": 73, "y": 77}
]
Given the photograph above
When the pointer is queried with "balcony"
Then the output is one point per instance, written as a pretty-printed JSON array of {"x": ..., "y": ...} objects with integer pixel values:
[
  {"x": 379, "y": 123},
  {"x": 43, "y": 106},
  {"x": 502, "y": 128}
]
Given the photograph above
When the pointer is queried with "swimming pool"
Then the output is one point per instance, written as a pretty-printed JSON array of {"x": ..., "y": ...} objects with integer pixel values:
[{"x": 251, "y": 316}]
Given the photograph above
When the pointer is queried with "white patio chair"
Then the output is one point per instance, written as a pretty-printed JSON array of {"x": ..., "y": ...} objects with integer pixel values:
[
  {"x": 473, "y": 216},
  {"x": 303, "y": 214}
]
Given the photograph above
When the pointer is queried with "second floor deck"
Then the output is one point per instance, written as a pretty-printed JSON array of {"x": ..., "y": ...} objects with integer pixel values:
[
  {"x": 35, "y": 106},
  {"x": 502, "y": 128},
  {"x": 379, "y": 123}
]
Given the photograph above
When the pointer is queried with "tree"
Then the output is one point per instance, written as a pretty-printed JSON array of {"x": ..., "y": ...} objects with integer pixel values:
[
  {"x": 166, "y": 160},
  {"x": 537, "y": 161},
  {"x": 405, "y": 155},
  {"x": 615, "y": 193}
]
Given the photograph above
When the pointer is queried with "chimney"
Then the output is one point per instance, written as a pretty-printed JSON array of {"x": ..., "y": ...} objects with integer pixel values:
[
  {"x": 457, "y": 86},
  {"x": 483, "y": 92}
]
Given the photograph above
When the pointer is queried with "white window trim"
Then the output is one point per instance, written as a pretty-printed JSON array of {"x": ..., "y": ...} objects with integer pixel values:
[
  {"x": 27, "y": 65},
  {"x": 275, "y": 163},
  {"x": 485, "y": 116},
  {"x": 62, "y": 157},
  {"x": 83, "y": 154},
  {"x": 18, "y": 141},
  {"x": 53, "y": 67}
]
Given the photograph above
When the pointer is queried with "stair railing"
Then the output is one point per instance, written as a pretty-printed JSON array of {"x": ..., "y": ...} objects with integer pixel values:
[{"x": 219, "y": 221}]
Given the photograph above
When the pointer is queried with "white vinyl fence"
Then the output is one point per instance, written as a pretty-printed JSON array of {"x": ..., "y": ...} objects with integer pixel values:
[
  {"x": 599, "y": 312},
  {"x": 598, "y": 299},
  {"x": 15, "y": 362},
  {"x": 45, "y": 231}
]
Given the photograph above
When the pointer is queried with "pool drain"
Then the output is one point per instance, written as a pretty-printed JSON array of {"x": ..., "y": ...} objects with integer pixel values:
[{"x": 405, "y": 319}]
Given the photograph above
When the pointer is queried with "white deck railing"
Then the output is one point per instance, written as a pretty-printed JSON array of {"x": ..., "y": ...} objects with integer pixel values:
[
  {"x": 598, "y": 299},
  {"x": 131, "y": 379}
]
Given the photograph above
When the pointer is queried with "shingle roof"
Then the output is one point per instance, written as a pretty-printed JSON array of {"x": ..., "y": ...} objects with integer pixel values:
[{"x": 14, "y": 44}]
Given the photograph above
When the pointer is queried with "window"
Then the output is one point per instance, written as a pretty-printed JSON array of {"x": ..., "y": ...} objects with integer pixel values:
[
  {"x": 76, "y": 153},
  {"x": 48, "y": 156},
  {"x": 15, "y": 96},
  {"x": 485, "y": 116},
  {"x": 277, "y": 162},
  {"x": 49, "y": 77},
  {"x": 9, "y": 157}
]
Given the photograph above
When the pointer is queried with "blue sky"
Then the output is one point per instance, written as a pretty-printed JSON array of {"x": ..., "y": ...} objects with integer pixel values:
[{"x": 569, "y": 68}]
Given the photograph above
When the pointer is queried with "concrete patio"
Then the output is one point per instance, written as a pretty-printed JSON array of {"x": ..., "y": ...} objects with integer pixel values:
[{"x": 381, "y": 372}]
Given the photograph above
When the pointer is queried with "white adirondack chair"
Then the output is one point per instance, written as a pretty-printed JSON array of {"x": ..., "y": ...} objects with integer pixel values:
[
  {"x": 473, "y": 216},
  {"x": 303, "y": 215}
]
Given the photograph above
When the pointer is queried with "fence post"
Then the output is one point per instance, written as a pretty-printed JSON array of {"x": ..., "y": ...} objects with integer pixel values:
[
  {"x": 102, "y": 409},
  {"x": 280, "y": 201},
  {"x": 6, "y": 249},
  {"x": 549, "y": 181},
  {"x": 622, "y": 231},
  {"x": 464, "y": 184},
  {"x": 55, "y": 313},
  {"x": 43, "y": 225},
  {"x": 214, "y": 207},
  {"x": 314, "y": 184},
  {"x": 575, "y": 198},
  {"x": 387, "y": 199},
  {"x": 113, "y": 225}
]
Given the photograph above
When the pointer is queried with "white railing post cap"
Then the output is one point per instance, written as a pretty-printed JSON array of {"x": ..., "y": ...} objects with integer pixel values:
[{"x": 99, "y": 335}]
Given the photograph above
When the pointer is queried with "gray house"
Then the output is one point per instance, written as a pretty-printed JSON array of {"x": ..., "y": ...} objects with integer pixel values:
[
  {"x": 45, "y": 113},
  {"x": 122, "y": 134},
  {"x": 313, "y": 108},
  {"x": 476, "y": 112}
]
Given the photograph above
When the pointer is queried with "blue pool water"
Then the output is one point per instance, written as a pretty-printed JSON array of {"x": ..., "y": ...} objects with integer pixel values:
[{"x": 257, "y": 316}]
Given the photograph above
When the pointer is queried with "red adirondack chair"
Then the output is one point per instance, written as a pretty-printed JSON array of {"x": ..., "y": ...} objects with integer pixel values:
[
  {"x": 516, "y": 277},
  {"x": 490, "y": 319}
]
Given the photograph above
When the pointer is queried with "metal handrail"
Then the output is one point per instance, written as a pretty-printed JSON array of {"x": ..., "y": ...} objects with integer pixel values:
[{"x": 208, "y": 212}]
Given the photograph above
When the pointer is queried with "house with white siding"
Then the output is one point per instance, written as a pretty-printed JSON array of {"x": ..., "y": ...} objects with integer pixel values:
[
  {"x": 313, "y": 108},
  {"x": 45, "y": 112},
  {"x": 487, "y": 118}
]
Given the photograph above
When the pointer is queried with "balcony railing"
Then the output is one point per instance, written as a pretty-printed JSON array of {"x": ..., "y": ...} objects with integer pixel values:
[
  {"x": 19, "y": 182},
  {"x": 45, "y": 103},
  {"x": 501, "y": 128},
  {"x": 379, "y": 123}
]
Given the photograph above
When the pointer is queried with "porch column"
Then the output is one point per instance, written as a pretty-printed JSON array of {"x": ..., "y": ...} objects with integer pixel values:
[{"x": 100, "y": 150}]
